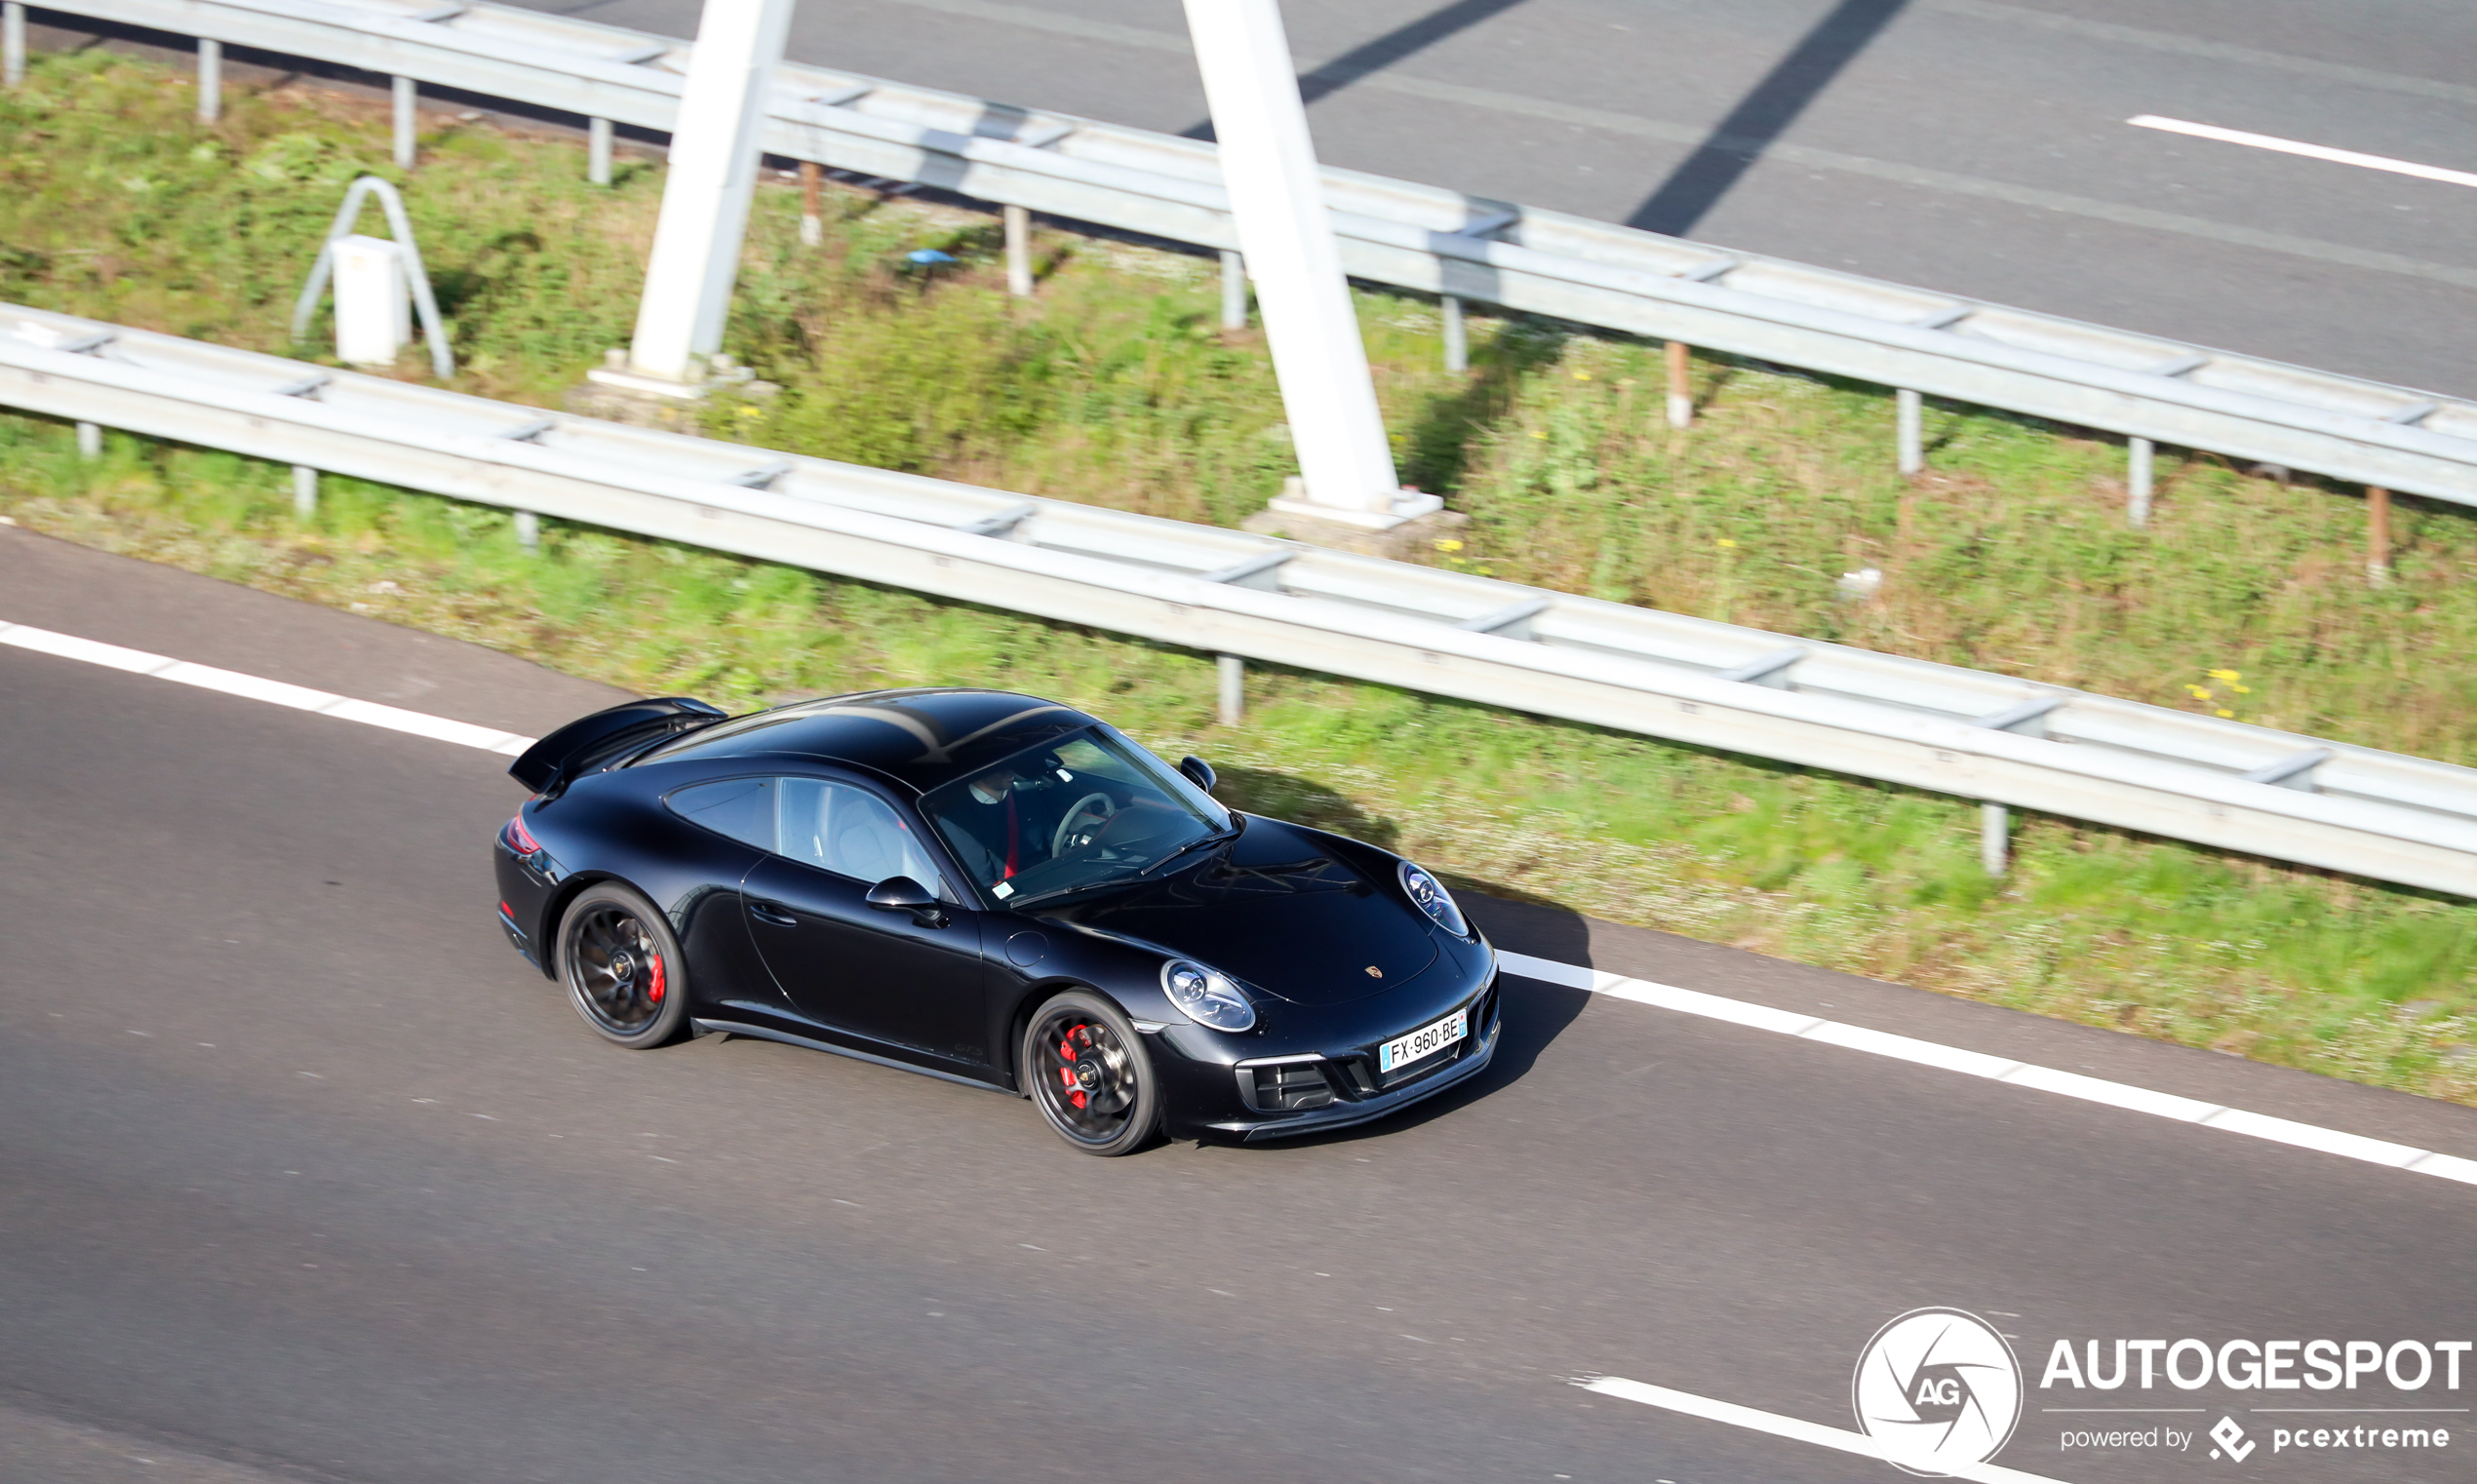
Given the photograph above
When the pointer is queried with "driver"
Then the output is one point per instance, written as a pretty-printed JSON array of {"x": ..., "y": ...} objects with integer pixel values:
[{"x": 1009, "y": 838}]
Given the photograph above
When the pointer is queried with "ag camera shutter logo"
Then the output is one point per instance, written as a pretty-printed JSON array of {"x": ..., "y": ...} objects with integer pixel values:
[{"x": 1939, "y": 1389}]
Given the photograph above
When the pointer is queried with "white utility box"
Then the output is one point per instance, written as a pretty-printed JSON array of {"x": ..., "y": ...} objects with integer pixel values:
[{"x": 374, "y": 302}]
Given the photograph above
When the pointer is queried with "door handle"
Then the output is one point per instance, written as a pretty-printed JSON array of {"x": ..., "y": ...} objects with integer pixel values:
[{"x": 769, "y": 911}]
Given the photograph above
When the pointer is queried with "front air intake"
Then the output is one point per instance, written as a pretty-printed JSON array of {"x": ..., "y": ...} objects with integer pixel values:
[{"x": 1292, "y": 1088}]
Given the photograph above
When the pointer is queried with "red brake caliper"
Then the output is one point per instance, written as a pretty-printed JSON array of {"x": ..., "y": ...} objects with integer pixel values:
[
  {"x": 654, "y": 992},
  {"x": 1066, "y": 1048}
]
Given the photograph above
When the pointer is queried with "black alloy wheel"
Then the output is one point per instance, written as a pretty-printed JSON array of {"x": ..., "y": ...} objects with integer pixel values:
[
  {"x": 623, "y": 968},
  {"x": 1090, "y": 1074}
]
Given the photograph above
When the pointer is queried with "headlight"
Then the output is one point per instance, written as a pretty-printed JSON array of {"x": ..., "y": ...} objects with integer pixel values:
[
  {"x": 1207, "y": 997},
  {"x": 1435, "y": 900}
]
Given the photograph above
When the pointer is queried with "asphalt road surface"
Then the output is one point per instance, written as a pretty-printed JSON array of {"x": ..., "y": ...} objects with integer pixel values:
[
  {"x": 1975, "y": 146},
  {"x": 302, "y": 1175}
]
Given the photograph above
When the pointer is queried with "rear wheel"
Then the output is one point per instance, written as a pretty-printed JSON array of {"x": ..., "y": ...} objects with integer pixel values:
[
  {"x": 1089, "y": 1074},
  {"x": 623, "y": 968}
]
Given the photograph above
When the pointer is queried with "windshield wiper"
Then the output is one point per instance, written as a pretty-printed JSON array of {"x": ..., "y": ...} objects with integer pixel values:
[
  {"x": 1224, "y": 838},
  {"x": 1076, "y": 890}
]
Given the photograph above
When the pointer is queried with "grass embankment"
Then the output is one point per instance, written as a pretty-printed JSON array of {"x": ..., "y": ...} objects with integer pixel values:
[{"x": 1113, "y": 388}]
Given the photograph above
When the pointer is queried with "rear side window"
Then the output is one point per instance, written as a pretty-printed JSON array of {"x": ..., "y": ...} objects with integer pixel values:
[{"x": 742, "y": 808}]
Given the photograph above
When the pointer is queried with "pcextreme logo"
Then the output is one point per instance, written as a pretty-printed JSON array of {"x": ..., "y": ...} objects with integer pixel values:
[{"x": 1939, "y": 1389}]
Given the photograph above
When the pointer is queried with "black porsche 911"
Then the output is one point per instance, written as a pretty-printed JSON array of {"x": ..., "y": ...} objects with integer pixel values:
[{"x": 996, "y": 889}]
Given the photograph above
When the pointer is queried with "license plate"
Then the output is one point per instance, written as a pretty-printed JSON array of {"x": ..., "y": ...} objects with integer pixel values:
[{"x": 1426, "y": 1042}]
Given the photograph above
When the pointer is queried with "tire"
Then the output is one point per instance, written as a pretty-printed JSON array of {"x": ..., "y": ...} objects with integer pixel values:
[
  {"x": 1087, "y": 1071},
  {"x": 625, "y": 975}
]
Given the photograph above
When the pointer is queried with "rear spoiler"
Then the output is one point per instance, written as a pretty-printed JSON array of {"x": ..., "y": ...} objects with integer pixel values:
[{"x": 549, "y": 766}]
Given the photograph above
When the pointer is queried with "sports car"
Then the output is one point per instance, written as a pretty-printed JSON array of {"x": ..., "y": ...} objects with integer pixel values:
[{"x": 996, "y": 889}]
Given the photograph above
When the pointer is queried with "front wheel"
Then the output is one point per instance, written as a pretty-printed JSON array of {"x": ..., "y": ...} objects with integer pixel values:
[
  {"x": 1090, "y": 1077},
  {"x": 622, "y": 967}
]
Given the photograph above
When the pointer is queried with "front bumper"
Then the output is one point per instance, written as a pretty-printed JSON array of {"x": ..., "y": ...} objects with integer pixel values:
[{"x": 1357, "y": 1094}]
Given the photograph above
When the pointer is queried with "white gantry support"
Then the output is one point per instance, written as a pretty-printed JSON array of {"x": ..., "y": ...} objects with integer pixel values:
[
  {"x": 715, "y": 152},
  {"x": 1285, "y": 234}
]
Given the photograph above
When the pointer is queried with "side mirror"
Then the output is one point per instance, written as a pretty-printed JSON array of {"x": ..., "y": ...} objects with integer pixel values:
[
  {"x": 1199, "y": 772},
  {"x": 901, "y": 893}
]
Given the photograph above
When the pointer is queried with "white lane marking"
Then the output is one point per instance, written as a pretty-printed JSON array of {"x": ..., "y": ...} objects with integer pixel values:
[
  {"x": 2309, "y": 151},
  {"x": 1796, "y": 1429},
  {"x": 258, "y": 689},
  {"x": 2071, "y": 1084}
]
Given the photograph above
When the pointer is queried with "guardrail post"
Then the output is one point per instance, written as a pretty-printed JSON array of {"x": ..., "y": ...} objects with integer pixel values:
[
  {"x": 1018, "y": 252},
  {"x": 407, "y": 95},
  {"x": 2139, "y": 456},
  {"x": 716, "y": 149},
  {"x": 1680, "y": 384},
  {"x": 1910, "y": 419},
  {"x": 812, "y": 204},
  {"x": 2378, "y": 536},
  {"x": 305, "y": 492},
  {"x": 528, "y": 530},
  {"x": 1994, "y": 838},
  {"x": 1233, "y": 290},
  {"x": 1457, "y": 338},
  {"x": 1232, "y": 700},
  {"x": 12, "y": 43},
  {"x": 90, "y": 440},
  {"x": 597, "y": 152},
  {"x": 209, "y": 80}
]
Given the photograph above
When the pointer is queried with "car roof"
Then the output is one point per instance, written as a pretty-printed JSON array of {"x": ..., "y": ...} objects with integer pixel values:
[{"x": 921, "y": 737}]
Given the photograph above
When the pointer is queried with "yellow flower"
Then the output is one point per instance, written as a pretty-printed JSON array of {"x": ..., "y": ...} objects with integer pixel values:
[
  {"x": 749, "y": 412},
  {"x": 1542, "y": 436},
  {"x": 1727, "y": 545},
  {"x": 1450, "y": 546},
  {"x": 2198, "y": 692},
  {"x": 2225, "y": 713},
  {"x": 2226, "y": 675},
  {"x": 1581, "y": 375},
  {"x": 2242, "y": 689}
]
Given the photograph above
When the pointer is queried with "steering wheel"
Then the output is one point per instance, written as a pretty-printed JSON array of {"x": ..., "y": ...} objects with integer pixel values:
[{"x": 1095, "y": 807}]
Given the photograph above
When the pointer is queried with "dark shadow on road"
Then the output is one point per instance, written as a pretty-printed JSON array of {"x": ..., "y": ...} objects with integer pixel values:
[
  {"x": 1763, "y": 115},
  {"x": 1383, "y": 52}
]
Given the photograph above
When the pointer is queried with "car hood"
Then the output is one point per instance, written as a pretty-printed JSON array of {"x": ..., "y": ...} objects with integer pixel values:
[{"x": 1282, "y": 911}]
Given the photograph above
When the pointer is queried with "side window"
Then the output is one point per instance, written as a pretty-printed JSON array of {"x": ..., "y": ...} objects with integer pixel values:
[
  {"x": 850, "y": 832},
  {"x": 742, "y": 808}
]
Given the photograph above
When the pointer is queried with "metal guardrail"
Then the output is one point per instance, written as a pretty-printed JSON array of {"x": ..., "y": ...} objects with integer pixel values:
[
  {"x": 2213, "y": 782},
  {"x": 1418, "y": 237}
]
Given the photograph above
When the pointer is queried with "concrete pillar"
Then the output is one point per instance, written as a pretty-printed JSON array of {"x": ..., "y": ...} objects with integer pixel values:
[
  {"x": 1994, "y": 838},
  {"x": 209, "y": 81},
  {"x": 528, "y": 530},
  {"x": 11, "y": 44},
  {"x": 1277, "y": 200},
  {"x": 90, "y": 440},
  {"x": 1680, "y": 384},
  {"x": 407, "y": 121},
  {"x": 305, "y": 492},
  {"x": 1457, "y": 338},
  {"x": 2140, "y": 457},
  {"x": 1234, "y": 291},
  {"x": 597, "y": 152},
  {"x": 705, "y": 194},
  {"x": 1018, "y": 252},
  {"x": 1232, "y": 673},
  {"x": 1910, "y": 417}
]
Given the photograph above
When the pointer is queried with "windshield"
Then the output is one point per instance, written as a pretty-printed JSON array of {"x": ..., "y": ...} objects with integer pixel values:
[{"x": 1092, "y": 808}]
